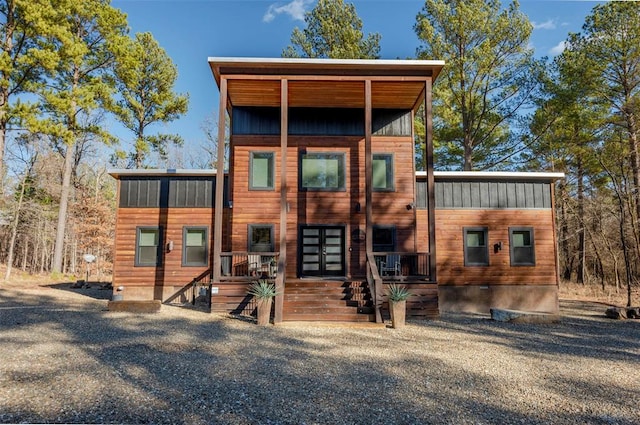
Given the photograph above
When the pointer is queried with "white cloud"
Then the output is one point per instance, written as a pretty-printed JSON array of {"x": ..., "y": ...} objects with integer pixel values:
[
  {"x": 296, "y": 9},
  {"x": 547, "y": 25},
  {"x": 558, "y": 48}
]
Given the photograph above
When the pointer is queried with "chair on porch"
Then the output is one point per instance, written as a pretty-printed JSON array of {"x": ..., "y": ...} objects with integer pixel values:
[
  {"x": 391, "y": 266},
  {"x": 260, "y": 265}
]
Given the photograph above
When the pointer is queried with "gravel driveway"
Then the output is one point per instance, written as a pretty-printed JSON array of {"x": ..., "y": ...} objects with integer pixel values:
[{"x": 64, "y": 358}]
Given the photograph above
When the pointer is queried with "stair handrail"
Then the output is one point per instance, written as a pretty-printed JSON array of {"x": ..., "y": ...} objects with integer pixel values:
[
  {"x": 192, "y": 285},
  {"x": 375, "y": 282}
]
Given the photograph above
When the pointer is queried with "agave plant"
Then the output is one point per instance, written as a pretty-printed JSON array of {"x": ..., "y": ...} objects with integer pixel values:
[
  {"x": 262, "y": 289},
  {"x": 398, "y": 293}
]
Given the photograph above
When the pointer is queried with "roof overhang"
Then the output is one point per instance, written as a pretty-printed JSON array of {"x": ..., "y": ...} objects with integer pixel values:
[
  {"x": 119, "y": 173},
  {"x": 396, "y": 84},
  {"x": 493, "y": 176}
]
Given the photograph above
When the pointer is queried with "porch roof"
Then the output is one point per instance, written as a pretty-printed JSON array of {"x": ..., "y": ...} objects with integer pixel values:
[{"x": 396, "y": 84}]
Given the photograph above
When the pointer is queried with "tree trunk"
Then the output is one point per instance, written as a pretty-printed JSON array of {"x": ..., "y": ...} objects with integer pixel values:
[
  {"x": 581, "y": 223},
  {"x": 62, "y": 213},
  {"x": 14, "y": 229}
]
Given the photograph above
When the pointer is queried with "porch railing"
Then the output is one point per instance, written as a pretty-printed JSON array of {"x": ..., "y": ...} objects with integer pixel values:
[
  {"x": 248, "y": 265},
  {"x": 402, "y": 265},
  {"x": 375, "y": 285}
]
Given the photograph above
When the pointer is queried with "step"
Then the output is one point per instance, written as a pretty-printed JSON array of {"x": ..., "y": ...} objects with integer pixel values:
[{"x": 304, "y": 317}]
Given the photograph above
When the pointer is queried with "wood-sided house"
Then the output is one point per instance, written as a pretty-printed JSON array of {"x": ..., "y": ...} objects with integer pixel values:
[{"x": 322, "y": 197}]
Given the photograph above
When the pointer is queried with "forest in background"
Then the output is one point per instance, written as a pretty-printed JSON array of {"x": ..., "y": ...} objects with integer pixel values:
[{"x": 67, "y": 69}]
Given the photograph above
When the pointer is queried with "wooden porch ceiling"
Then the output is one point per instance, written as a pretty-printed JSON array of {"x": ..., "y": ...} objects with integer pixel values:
[{"x": 325, "y": 83}]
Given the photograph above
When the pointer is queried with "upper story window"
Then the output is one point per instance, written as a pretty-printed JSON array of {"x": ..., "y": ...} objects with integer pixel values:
[
  {"x": 322, "y": 171},
  {"x": 261, "y": 171},
  {"x": 383, "y": 172},
  {"x": 194, "y": 246},
  {"x": 148, "y": 246},
  {"x": 521, "y": 246},
  {"x": 476, "y": 247}
]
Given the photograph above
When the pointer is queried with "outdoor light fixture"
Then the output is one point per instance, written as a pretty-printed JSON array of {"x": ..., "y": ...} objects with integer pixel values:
[
  {"x": 358, "y": 207},
  {"x": 497, "y": 247},
  {"x": 410, "y": 206}
]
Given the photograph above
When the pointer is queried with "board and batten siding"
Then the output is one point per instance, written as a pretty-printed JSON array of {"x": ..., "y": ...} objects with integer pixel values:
[
  {"x": 487, "y": 194},
  {"x": 320, "y": 121},
  {"x": 169, "y": 192}
]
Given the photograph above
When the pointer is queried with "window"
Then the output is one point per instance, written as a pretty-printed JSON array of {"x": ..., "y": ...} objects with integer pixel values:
[
  {"x": 322, "y": 171},
  {"x": 194, "y": 246},
  {"x": 148, "y": 246},
  {"x": 521, "y": 248},
  {"x": 261, "y": 171},
  {"x": 261, "y": 238},
  {"x": 476, "y": 249},
  {"x": 384, "y": 238},
  {"x": 383, "y": 173}
]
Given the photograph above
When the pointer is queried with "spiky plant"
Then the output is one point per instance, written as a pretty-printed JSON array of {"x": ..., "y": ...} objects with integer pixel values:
[
  {"x": 262, "y": 289},
  {"x": 398, "y": 293}
]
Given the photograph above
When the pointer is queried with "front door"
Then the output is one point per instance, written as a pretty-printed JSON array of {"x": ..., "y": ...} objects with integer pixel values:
[{"x": 322, "y": 251}]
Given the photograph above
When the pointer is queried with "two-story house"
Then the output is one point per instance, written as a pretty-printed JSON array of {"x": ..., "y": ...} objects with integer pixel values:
[{"x": 322, "y": 197}]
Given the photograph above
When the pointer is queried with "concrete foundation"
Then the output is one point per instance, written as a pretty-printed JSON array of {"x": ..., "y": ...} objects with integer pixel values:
[{"x": 481, "y": 298}]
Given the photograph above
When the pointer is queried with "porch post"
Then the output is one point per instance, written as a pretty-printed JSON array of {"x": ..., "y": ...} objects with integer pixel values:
[
  {"x": 217, "y": 220},
  {"x": 368, "y": 166},
  {"x": 431, "y": 189},
  {"x": 282, "y": 259},
  {"x": 368, "y": 172}
]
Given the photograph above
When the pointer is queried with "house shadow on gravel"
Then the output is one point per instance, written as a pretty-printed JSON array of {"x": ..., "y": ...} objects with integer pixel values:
[{"x": 96, "y": 290}]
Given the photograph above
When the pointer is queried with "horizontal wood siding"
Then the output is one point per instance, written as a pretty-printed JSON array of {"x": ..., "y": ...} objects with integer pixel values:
[
  {"x": 450, "y": 247},
  {"x": 423, "y": 303},
  {"x": 323, "y": 208},
  {"x": 172, "y": 220}
]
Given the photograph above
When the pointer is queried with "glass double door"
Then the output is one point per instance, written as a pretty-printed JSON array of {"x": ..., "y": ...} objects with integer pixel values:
[{"x": 322, "y": 251}]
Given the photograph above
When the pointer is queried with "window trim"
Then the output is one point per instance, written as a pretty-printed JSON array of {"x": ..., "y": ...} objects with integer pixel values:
[
  {"x": 271, "y": 170},
  {"x": 394, "y": 237},
  {"x": 391, "y": 176},
  {"x": 342, "y": 172},
  {"x": 532, "y": 246},
  {"x": 159, "y": 247},
  {"x": 185, "y": 230},
  {"x": 467, "y": 261},
  {"x": 253, "y": 226}
]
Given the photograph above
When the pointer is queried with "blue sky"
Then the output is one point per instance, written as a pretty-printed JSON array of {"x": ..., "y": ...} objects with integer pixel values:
[{"x": 193, "y": 30}]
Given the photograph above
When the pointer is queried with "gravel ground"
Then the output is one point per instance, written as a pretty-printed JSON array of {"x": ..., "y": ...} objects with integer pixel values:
[{"x": 65, "y": 359}]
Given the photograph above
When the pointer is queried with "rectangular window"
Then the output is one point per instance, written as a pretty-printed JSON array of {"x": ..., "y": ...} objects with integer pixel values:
[
  {"x": 148, "y": 246},
  {"x": 261, "y": 238},
  {"x": 194, "y": 246},
  {"x": 261, "y": 171},
  {"x": 383, "y": 173},
  {"x": 521, "y": 247},
  {"x": 384, "y": 238},
  {"x": 476, "y": 248},
  {"x": 322, "y": 171}
]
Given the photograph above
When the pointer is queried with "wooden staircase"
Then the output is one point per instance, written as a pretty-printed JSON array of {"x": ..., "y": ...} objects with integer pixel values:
[{"x": 328, "y": 300}]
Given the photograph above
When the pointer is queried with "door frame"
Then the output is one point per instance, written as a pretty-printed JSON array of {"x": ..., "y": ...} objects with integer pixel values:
[{"x": 323, "y": 274}]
